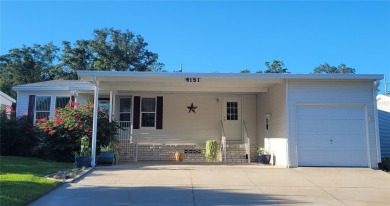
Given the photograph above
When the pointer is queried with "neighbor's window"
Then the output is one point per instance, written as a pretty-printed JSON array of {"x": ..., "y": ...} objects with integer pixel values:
[
  {"x": 61, "y": 102},
  {"x": 148, "y": 112},
  {"x": 42, "y": 107}
]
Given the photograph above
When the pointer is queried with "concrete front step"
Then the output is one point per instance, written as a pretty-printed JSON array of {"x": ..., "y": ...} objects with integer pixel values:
[{"x": 236, "y": 153}]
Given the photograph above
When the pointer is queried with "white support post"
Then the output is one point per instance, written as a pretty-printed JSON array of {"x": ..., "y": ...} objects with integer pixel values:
[
  {"x": 94, "y": 125},
  {"x": 111, "y": 102}
]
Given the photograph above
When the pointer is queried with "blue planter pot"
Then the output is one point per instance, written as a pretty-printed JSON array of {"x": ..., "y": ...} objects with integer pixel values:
[
  {"x": 264, "y": 159},
  {"x": 82, "y": 162},
  {"x": 107, "y": 158}
]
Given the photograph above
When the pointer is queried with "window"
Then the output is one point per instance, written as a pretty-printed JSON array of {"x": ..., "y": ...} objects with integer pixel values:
[
  {"x": 232, "y": 110},
  {"x": 61, "y": 102},
  {"x": 104, "y": 104},
  {"x": 125, "y": 111},
  {"x": 42, "y": 107},
  {"x": 148, "y": 112}
]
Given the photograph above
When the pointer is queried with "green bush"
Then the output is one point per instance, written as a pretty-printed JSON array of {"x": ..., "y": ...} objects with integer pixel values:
[
  {"x": 386, "y": 164},
  {"x": 211, "y": 150},
  {"x": 62, "y": 134},
  {"x": 17, "y": 134}
]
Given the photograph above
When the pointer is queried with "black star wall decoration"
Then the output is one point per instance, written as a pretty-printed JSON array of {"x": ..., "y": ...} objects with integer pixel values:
[{"x": 192, "y": 108}]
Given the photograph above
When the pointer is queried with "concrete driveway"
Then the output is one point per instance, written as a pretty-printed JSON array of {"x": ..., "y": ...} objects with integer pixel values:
[{"x": 205, "y": 184}]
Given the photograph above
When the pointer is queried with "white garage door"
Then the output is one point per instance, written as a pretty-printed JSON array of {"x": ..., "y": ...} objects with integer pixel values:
[{"x": 331, "y": 136}]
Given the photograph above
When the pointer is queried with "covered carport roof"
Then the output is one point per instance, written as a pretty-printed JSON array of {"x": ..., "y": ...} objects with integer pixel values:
[{"x": 203, "y": 82}]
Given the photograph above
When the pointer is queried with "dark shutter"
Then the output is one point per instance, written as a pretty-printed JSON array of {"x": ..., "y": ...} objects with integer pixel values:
[
  {"x": 31, "y": 109},
  {"x": 136, "y": 115},
  {"x": 159, "y": 124}
]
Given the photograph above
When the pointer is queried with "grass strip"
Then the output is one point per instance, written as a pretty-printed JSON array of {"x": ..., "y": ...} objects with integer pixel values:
[{"x": 22, "y": 181}]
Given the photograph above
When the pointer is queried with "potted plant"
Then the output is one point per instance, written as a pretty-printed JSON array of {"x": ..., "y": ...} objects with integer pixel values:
[
  {"x": 84, "y": 158},
  {"x": 109, "y": 153},
  {"x": 263, "y": 156}
]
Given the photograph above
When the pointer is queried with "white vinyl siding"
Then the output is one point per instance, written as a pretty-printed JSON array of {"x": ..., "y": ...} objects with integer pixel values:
[
  {"x": 274, "y": 103},
  {"x": 331, "y": 93},
  {"x": 181, "y": 127},
  {"x": 22, "y": 104}
]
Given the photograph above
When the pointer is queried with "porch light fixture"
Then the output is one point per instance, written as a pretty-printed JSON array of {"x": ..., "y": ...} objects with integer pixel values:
[{"x": 268, "y": 115}]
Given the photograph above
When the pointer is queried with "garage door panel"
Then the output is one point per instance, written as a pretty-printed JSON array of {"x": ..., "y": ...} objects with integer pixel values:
[
  {"x": 315, "y": 158},
  {"x": 310, "y": 127},
  {"x": 355, "y": 158},
  {"x": 331, "y": 136},
  {"x": 333, "y": 113},
  {"x": 305, "y": 143},
  {"x": 349, "y": 142},
  {"x": 339, "y": 127}
]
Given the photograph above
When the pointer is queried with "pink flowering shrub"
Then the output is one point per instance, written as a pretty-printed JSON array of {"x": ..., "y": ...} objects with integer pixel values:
[{"x": 63, "y": 132}]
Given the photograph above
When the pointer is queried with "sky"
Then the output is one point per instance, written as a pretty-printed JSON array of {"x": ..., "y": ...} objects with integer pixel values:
[{"x": 218, "y": 36}]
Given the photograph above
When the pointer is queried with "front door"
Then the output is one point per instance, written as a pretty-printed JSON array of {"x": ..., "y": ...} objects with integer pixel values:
[{"x": 232, "y": 120}]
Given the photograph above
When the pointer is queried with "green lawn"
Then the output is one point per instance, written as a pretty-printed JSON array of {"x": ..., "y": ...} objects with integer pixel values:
[{"x": 21, "y": 179}]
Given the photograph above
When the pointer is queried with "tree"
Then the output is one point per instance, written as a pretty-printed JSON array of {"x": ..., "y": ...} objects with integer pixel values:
[
  {"x": 276, "y": 67},
  {"x": 109, "y": 50},
  {"x": 327, "y": 69},
  {"x": 27, "y": 65},
  {"x": 245, "y": 71}
]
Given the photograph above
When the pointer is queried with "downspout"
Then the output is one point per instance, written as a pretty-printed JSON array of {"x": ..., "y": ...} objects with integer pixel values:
[
  {"x": 287, "y": 127},
  {"x": 94, "y": 125},
  {"x": 378, "y": 145}
]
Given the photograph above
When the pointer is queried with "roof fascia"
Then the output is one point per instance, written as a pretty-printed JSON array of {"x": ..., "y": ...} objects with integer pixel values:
[
  {"x": 52, "y": 88},
  {"x": 228, "y": 75}
]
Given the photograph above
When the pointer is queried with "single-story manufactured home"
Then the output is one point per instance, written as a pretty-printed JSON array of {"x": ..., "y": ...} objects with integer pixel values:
[
  {"x": 301, "y": 119},
  {"x": 384, "y": 123}
]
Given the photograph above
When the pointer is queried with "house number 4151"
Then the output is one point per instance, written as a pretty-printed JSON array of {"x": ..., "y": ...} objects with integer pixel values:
[{"x": 192, "y": 79}]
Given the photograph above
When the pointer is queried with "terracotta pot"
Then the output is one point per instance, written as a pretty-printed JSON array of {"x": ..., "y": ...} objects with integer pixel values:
[{"x": 179, "y": 156}]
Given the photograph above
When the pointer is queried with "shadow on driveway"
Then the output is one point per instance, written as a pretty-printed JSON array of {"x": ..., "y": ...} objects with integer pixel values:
[{"x": 162, "y": 195}]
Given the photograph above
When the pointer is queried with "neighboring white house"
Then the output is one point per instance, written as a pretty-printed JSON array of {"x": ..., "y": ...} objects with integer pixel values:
[
  {"x": 6, "y": 100},
  {"x": 383, "y": 102},
  {"x": 302, "y": 119}
]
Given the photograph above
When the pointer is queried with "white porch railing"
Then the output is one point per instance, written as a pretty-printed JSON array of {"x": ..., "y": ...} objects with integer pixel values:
[
  {"x": 223, "y": 143},
  {"x": 247, "y": 142},
  {"x": 126, "y": 139}
]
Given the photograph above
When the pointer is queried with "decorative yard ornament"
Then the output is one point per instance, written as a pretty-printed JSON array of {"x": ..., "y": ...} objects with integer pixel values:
[{"x": 192, "y": 108}]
